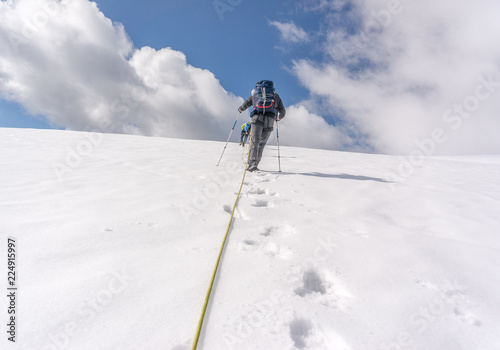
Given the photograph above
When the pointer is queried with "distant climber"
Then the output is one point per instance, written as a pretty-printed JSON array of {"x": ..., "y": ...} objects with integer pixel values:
[{"x": 245, "y": 131}]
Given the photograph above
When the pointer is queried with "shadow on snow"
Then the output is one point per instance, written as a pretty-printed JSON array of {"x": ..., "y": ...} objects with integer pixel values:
[{"x": 336, "y": 176}]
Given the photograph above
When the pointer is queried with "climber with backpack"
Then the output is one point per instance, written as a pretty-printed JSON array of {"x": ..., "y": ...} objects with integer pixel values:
[
  {"x": 267, "y": 107},
  {"x": 245, "y": 131}
]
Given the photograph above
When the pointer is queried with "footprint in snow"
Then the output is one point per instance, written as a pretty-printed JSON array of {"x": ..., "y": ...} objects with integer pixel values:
[
  {"x": 299, "y": 331},
  {"x": 268, "y": 231},
  {"x": 249, "y": 242},
  {"x": 263, "y": 204},
  {"x": 319, "y": 288},
  {"x": 261, "y": 191},
  {"x": 258, "y": 191},
  {"x": 312, "y": 283},
  {"x": 284, "y": 230},
  {"x": 247, "y": 245},
  {"x": 180, "y": 347},
  {"x": 266, "y": 177},
  {"x": 270, "y": 249}
]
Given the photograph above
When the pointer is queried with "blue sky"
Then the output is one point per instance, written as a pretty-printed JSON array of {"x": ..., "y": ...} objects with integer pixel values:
[
  {"x": 13, "y": 115},
  {"x": 240, "y": 49},
  {"x": 355, "y": 75}
]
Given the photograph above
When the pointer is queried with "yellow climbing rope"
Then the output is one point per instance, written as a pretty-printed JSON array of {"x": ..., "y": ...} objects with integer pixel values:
[{"x": 207, "y": 298}]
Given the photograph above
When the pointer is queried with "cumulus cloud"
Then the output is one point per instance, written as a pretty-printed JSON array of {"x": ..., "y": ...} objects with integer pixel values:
[
  {"x": 302, "y": 128},
  {"x": 67, "y": 61},
  {"x": 410, "y": 68},
  {"x": 290, "y": 32}
]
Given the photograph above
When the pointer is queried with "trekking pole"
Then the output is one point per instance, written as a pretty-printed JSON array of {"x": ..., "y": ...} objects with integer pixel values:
[
  {"x": 278, "y": 141},
  {"x": 228, "y": 138}
]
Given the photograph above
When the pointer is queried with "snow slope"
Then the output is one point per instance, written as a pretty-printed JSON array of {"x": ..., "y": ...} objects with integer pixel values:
[{"x": 117, "y": 238}]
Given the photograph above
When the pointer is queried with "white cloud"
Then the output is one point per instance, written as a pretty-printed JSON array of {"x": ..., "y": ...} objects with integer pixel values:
[
  {"x": 67, "y": 61},
  {"x": 291, "y": 32},
  {"x": 302, "y": 128},
  {"x": 407, "y": 65},
  {"x": 321, "y": 5}
]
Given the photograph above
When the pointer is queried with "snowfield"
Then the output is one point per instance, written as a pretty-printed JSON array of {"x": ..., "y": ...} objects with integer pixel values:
[{"x": 117, "y": 236}]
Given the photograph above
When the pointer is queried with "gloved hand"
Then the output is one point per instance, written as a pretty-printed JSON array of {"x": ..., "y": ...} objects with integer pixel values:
[{"x": 240, "y": 109}]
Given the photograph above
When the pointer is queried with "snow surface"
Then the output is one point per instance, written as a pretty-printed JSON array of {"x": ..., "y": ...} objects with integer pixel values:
[{"x": 117, "y": 237}]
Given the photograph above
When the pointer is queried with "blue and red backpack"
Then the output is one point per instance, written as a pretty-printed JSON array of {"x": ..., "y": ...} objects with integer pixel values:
[{"x": 263, "y": 97}]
